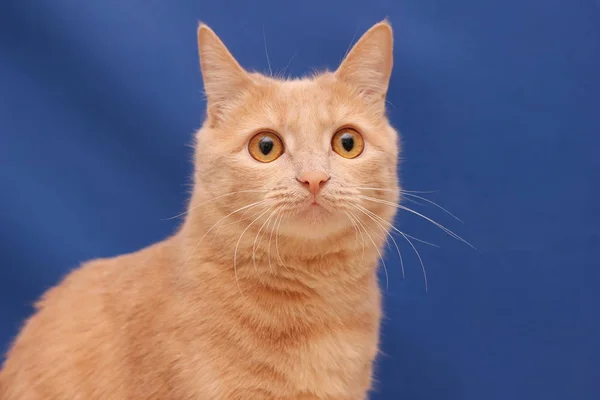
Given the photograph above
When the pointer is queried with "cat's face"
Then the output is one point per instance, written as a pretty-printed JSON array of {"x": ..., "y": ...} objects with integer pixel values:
[{"x": 305, "y": 151}]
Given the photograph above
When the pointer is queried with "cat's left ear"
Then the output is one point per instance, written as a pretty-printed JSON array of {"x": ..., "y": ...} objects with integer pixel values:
[
  {"x": 224, "y": 78},
  {"x": 368, "y": 65}
]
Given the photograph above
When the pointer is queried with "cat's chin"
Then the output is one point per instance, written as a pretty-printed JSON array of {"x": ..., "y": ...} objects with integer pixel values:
[{"x": 315, "y": 222}]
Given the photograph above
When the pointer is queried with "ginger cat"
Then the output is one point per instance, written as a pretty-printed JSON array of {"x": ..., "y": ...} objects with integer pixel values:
[{"x": 269, "y": 288}]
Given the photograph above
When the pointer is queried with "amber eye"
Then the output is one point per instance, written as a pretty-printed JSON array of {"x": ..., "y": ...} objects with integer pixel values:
[
  {"x": 348, "y": 143},
  {"x": 265, "y": 147}
]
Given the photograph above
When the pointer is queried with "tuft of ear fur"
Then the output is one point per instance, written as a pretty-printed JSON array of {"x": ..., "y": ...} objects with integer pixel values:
[
  {"x": 368, "y": 66},
  {"x": 224, "y": 78}
]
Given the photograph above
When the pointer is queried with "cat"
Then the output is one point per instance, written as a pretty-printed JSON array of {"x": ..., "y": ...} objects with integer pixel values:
[{"x": 269, "y": 289}]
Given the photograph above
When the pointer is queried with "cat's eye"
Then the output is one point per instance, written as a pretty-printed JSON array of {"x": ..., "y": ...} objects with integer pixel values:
[
  {"x": 265, "y": 147},
  {"x": 348, "y": 143}
]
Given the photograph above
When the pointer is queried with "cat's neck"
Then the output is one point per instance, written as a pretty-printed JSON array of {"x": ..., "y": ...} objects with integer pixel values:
[{"x": 234, "y": 247}]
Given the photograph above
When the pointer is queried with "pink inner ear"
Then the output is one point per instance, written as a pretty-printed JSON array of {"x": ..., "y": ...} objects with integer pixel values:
[{"x": 372, "y": 94}]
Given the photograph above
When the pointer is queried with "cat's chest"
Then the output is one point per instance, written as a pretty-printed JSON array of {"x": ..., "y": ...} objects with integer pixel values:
[{"x": 334, "y": 364}]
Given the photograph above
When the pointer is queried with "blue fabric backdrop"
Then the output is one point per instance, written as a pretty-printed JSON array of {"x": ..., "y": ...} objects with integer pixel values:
[{"x": 498, "y": 103}]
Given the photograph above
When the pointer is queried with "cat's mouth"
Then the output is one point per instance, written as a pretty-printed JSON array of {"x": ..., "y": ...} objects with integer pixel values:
[
  {"x": 316, "y": 219},
  {"x": 314, "y": 208}
]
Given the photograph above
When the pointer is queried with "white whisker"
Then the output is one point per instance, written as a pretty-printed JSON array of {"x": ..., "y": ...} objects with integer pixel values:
[
  {"x": 350, "y": 45},
  {"x": 420, "y": 260},
  {"x": 215, "y": 198},
  {"x": 440, "y": 226},
  {"x": 399, "y": 231},
  {"x": 238, "y": 245},
  {"x": 257, "y": 235},
  {"x": 413, "y": 201},
  {"x": 212, "y": 227},
  {"x": 277, "y": 241},
  {"x": 435, "y": 204},
  {"x": 365, "y": 210},
  {"x": 387, "y": 282},
  {"x": 266, "y": 51},
  {"x": 362, "y": 237},
  {"x": 355, "y": 229},
  {"x": 420, "y": 240},
  {"x": 376, "y": 188},
  {"x": 282, "y": 73},
  {"x": 393, "y": 190},
  {"x": 372, "y": 214},
  {"x": 420, "y": 191},
  {"x": 271, "y": 238}
]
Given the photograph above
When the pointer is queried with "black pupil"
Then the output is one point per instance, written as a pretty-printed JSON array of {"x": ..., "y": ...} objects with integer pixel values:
[
  {"x": 347, "y": 142},
  {"x": 266, "y": 145}
]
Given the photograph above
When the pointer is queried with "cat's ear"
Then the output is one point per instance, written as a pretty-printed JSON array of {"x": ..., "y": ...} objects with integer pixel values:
[
  {"x": 224, "y": 78},
  {"x": 368, "y": 65}
]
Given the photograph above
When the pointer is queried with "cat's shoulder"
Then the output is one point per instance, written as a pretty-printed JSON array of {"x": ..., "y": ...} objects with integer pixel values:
[{"x": 103, "y": 277}]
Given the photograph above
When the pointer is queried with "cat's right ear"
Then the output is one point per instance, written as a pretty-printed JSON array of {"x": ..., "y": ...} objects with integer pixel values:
[{"x": 224, "y": 78}]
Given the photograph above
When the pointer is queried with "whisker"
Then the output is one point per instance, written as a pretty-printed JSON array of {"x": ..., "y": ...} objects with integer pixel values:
[
  {"x": 376, "y": 188},
  {"x": 420, "y": 191},
  {"x": 350, "y": 45},
  {"x": 361, "y": 229},
  {"x": 257, "y": 235},
  {"x": 405, "y": 236},
  {"x": 271, "y": 238},
  {"x": 238, "y": 245},
  {"x": 355, "y": 229},
  {"x": 387, "y": 232},
  {"x": 362, "y": 237},
  {"x": 277, "y": 241},
  {"x": 400, "y": 232},
  {"x": 420, "y": 260},
  {"x": 282, "y": 73},
  {"x": 266, "y": 51},
  {"x": 394, "y": 190},
  {"x": 440, "y": 226},
  {"x": 376, "y": 234},
  {"x": 215, "y": 198},
  {"x": 413, "y": 201},
  {"x": 245, "y": 217},
  {"x": 212, "y": 227},
  {"x": 420, "y": 240},
  {"x": 433, "y": 203},
  {"x": 387, "y": 282}
]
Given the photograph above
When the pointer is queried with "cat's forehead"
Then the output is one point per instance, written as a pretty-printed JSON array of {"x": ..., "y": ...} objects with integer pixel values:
[{"x": 300, "y": 104}]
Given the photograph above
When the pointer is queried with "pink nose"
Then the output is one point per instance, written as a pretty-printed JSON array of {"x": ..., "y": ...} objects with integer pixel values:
[{"x": 313, "y": 180}]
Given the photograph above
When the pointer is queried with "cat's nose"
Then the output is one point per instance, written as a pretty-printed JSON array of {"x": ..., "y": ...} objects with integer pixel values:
[{"x": 313, "y": 180}]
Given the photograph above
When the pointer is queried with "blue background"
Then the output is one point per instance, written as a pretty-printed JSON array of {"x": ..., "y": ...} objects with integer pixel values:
[{"x": 498, "y": 103}]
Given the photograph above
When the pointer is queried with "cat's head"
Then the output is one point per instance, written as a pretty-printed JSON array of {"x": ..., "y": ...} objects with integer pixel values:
[{"x": 303, "y": 152}]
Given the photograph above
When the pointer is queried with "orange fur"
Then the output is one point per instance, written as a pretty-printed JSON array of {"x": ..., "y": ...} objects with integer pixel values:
[{"x": 279, "y": 300}]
